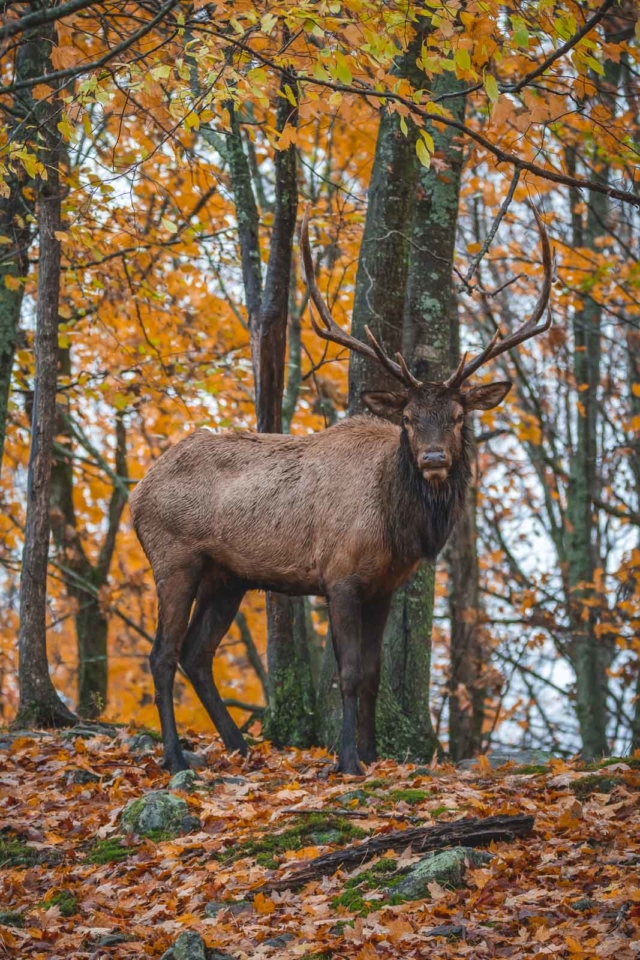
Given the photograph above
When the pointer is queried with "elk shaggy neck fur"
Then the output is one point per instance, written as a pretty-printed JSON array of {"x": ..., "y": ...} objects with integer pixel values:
[{"x": 430, "y": 510}]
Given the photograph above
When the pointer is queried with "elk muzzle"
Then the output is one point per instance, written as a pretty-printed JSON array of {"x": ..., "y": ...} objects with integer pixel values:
[{"x": 435, "y": 465}]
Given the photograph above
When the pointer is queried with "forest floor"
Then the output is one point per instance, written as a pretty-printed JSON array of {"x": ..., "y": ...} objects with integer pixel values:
[{"x": 74, "y": 885}]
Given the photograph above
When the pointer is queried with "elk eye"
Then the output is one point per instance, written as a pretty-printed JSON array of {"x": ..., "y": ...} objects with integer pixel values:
[{"x": 406, "y": 420}]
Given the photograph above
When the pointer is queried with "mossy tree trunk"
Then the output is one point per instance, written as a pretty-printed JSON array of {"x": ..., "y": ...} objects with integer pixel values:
[{"x": 429, "y": 344}]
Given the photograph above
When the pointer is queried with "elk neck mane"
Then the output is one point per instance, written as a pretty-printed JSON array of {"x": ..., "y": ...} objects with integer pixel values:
[{"x": 423, "y": 511}]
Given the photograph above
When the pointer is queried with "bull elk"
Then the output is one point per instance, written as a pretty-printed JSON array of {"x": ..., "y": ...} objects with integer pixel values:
[{"x": 347, "y": 514}]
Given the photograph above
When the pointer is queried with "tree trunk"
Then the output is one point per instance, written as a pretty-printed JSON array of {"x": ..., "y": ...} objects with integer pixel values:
[
  {"x": 429, "y": 345},
  {"x": 14, "y": 210},
  {"x": 588, "y": 654},
  {"x": 467, "y": 690},
  {"x": 39, "y": 703}
]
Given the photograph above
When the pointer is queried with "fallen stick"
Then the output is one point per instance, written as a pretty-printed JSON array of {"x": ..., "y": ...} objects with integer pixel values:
[{"x": 471, "y": 832}]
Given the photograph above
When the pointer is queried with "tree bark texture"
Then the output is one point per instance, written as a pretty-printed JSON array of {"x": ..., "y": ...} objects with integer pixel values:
[
  {"x": 39, "y": 703},
  {"x": 429, "y": 343},
  {"x": 14, "y": 210}
]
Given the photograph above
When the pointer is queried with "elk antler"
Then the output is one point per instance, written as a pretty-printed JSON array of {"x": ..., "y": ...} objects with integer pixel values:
[
  {"x": 335, "y": 334},
  {"x": 528, "y": 329}
]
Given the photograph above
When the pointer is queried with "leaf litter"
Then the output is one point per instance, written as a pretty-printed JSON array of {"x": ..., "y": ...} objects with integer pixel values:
[{"x": 74, "y": 886}]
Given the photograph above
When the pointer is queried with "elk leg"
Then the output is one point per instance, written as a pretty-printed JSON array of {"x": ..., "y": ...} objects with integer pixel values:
[
  {"x": 175, "y": 596},
  {"x": 374, "y": 619},
  {"x": 346, "y": 631},
  {"x": 212, "y": 617}
]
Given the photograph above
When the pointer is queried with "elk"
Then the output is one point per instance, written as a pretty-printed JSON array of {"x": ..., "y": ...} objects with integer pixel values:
[{"x": 347, "y": 514}]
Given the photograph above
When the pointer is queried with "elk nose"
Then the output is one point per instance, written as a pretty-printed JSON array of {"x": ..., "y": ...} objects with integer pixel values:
[{"x": 434, "y": 459}]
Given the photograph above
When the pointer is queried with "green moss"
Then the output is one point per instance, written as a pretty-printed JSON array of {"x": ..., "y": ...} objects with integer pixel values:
[
  {"x": 438, "y": 811},
  {"x": 15, "y": 853},
  {"x": 633, "y": 762},
  {"x": 111, "y": 850},
  {"x": 160, "y": 836},
  {"x": 314, "y": 829},
  {"x": 599, "y": 783},
  {"x": 378, "y": 784},
  {"x": 66, "y": 901},
  {"x": 11, "y": 918},
  {"x": 353, "y": 897},
  {"x": 529, "y": 768},
  {"x": 410, "y": 795}
]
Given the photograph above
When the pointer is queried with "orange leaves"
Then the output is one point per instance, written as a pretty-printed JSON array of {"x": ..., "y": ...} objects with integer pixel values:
[{"x": 263, "y": 905}]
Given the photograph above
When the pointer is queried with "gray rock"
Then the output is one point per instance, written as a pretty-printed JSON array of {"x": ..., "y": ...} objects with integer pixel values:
[
  {"x": 88, "y": 731},
  {"x": 452, "y": 931},
  {"x": 140, "y": 743},
  {"x": 447, "y": 868},
  {"x": 585, "y": 904},
  {"x": 113, "y": 939},
  {"x": 81, "y": 777},
  {"x": 158, "y": 811},
  {"x": 187, "y": 780},
  {"x": 194, "y": 759},
  {"x": 498, "y": 758},
  {"x": 280, "y": 941},
  {"x": 360, "y": 795},
  {"x": 11, "y": 918},
  {"x": 214, "y": 907},
  {"x": 188, "y": 946}
]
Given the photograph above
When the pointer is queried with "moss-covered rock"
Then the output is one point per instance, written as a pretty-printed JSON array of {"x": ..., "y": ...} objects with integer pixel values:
[
  {"x": 187, "y": 780},
  {"x": 317, "y": 829},
  {"x": 188, "y": 946},
  {"x": 446, "y": 868},
  {"x": 160, "y": 814}
]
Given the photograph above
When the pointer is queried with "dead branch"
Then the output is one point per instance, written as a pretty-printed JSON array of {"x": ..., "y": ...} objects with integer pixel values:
[{"x": 470, "y": 832}]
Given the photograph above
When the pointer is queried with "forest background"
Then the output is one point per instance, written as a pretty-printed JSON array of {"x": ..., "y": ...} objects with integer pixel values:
[{"x": 154, "y": 159}]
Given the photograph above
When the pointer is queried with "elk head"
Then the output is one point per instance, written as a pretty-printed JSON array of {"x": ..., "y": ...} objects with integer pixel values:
[{"x": 432, "y": 414}]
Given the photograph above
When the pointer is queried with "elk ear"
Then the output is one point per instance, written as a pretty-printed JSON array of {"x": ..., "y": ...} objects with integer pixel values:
[
  {"x": 384, "y": 403},
  {"x": 487, "y": 396}
]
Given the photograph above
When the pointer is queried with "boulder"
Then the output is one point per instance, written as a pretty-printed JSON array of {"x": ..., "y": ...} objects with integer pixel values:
[
  {"x": 446, "y": 868},
  {"x": 498, "y": 758},
  {"x": 188, "y": 946},
  {"x": 191, "y": 946},
  {"x": 187, "y": 780},
  {"x": 140, "y": 744},
  {"x": 158, "y": 812}
]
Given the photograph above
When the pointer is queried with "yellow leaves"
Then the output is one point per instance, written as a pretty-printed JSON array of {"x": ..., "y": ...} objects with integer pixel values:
[
  {"x": 491, "y": 87},
  {"x": 13, "y": 283},
  {"x": 263, "y": 905},
  {"x": 169, "y": 226}
]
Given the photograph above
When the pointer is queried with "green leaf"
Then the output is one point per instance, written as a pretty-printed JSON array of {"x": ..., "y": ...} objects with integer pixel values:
[
  {"x": 161, "y": 72},
  {"x": 343, "y": 72},
  {"x": 462, "y": 59},
  {"x": 423, "y": 154},
  {"x": 491, "y": 86},
  {"x": 520, "y": 32},
  {"x": 403, "y": 127},
  {"x": 168, "y": 225}
]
